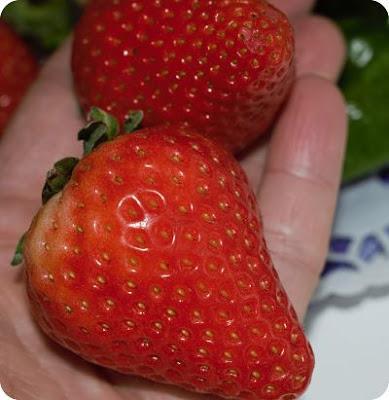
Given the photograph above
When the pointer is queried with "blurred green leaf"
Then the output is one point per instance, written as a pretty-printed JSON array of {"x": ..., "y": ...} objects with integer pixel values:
[
  {"x": 366, "y": 87},
  {"x": 365, "y": 82},
  {"x": 45, "y": 23}
]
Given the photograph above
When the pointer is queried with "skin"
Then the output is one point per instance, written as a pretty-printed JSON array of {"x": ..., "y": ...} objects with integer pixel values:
[{"x": 296, "y": 177}]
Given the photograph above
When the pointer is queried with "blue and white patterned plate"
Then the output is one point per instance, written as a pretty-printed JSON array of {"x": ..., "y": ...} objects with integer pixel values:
[
  {"x": 347, "y": 322},
  {"x": 359, "y": 250}
]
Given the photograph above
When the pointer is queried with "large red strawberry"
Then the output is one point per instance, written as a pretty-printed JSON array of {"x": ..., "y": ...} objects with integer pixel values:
[
  {"x": 151, "y": 261},
  {"x": 18, "y": 68},
  {"x": 224, "y": 66}
]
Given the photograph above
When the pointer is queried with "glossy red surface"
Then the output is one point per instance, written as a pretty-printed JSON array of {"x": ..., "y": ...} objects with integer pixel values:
[
  {"x": 223, "y": 66},
  {"x": 152, "y": 262}
]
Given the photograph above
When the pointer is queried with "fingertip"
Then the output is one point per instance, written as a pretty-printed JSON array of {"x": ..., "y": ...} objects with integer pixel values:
[
  {"x": 311, "y": 83},
  {"x": 320, "y": 47},
  {"x": 329, "y": 94}
]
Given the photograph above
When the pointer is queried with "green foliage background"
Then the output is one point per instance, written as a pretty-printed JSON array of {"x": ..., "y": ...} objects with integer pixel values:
[
  {"x": 44, "y": 23},
  {"x": 365, "y": 82}
]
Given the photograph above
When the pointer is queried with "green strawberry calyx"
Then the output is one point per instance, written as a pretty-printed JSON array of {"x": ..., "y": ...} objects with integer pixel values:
[
  {"x": 18, "y": 256},
  {"x": 102, "y": 127},
  {"x": 58, "y": 177}
]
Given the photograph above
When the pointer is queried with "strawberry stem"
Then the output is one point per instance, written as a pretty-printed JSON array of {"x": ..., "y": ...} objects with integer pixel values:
[
  {"x": 58, "y": 177},
  {"x": 18, "y": 256}
]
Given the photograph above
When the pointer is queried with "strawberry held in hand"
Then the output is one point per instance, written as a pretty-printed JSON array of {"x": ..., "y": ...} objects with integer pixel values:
[
  {"x": 150, "y": 260},
  {"x": 18, "y": 69},
  {"x": 224, "y": 66}
]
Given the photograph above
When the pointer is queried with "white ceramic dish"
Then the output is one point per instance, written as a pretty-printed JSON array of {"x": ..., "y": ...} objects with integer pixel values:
[{"x": 348, "y": 322}]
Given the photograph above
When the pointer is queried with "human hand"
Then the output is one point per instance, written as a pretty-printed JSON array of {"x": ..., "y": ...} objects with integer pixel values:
[{"x": 296, "y": 177}]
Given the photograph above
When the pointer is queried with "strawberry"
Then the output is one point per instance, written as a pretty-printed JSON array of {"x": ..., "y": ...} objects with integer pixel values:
[
  {"x": 18, "y": 69},
  {"x": 223, "y": 66},
  {"x": 148, "y": 258}
]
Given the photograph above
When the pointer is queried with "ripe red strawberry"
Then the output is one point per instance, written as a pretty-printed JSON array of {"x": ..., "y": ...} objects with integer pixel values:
[
  {"x": 18, "y": 68},
  {"x": 151, "y": 261},
  {"x": 224, "y": 66}
]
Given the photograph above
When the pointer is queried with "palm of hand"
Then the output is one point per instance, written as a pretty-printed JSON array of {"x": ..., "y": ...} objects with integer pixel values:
[{"x": 296, "y": 177}]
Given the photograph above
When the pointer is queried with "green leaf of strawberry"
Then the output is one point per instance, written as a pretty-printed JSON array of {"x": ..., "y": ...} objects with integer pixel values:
[
  {"x": 104, "y": 127},
  {"x": 58, "y": 177},
  {"x": 134, "y": 121},
  {"x": 18, "y": 257}
]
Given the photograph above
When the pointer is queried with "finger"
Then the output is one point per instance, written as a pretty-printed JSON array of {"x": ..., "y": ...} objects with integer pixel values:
[
  {"x": 320, "y": 50},
  {"x": 293, "y": 8},
  {"x": 20, "y": 374},
  {"x": 39, "y": 142},
  {"x": 253, "y": 163},
  {"x": 300, "y": 184},
  {"x": 320, "y": 47}
]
